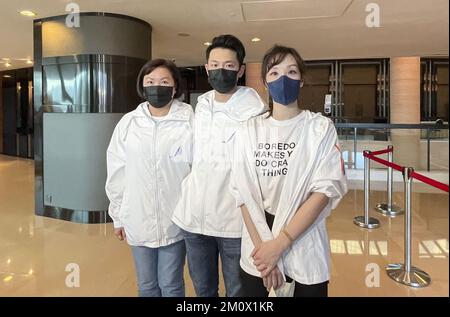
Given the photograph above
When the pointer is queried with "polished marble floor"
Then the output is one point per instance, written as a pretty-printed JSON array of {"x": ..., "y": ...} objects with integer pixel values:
[{"x": 35, "y": 252}]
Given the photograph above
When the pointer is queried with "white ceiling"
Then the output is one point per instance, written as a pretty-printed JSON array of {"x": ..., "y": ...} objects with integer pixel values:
[{"x": 321, "y": 29}]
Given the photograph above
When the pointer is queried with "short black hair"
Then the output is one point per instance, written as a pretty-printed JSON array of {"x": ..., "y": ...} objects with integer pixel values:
[
  {"x": 230, "y": 42},
  {"x": 151, "y": 66}
]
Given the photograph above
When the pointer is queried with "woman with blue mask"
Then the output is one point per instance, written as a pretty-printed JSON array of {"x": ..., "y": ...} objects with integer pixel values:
[{"x": 287, "y": 176}]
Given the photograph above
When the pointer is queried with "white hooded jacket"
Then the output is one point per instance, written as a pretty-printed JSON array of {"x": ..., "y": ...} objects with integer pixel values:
[
  {"x": 316, "y": 166},
  {"x": 147, "y": 160},
  {"x": 206, "y": 205}
]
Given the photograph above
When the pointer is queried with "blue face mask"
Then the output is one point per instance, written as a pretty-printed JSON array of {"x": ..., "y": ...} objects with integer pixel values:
[{"x": 284, "y": 90}]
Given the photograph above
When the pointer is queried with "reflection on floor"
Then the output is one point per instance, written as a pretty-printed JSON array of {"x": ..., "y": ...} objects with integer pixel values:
[{"x": 36, "y": 251}]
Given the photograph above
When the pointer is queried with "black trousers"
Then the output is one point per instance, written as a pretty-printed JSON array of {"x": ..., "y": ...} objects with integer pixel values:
[{"x": 253, "y": 286}]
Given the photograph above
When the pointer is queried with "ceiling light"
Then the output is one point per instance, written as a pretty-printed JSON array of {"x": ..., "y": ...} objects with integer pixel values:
[
  {"x": 29, "y": 61},
  {"x": 256, "y": 39},
  {"x": 7, "y": 64},
  {"x": 5, "y": 59},
  {"x": 27, "y": 13},
  {"x": 207, "y": 43},
  {"x": 7, "y": 76}
]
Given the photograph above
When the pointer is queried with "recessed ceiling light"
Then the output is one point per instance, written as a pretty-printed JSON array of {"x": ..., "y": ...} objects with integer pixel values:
[
  {"x": 29, "y": 61},
  {"x": 7, "y": 76},
  {"x": 27, "y": 13},
  {"x": 7, "y": 64},
  {"x": 256, "y": 39},
  {"x": 207, "y": 43},
  {"x": 183, "y": 34}
]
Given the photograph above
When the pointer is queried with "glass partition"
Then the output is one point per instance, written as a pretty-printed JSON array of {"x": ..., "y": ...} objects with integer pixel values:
[{"x": 423, "y": 147}]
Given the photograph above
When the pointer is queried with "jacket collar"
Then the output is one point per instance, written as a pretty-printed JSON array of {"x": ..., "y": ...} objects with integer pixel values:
[
  {"x": 179, "y": 111},
  {"x": 243, "y": 104}
]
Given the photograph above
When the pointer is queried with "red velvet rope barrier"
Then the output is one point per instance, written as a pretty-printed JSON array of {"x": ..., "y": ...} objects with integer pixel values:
[
  {"x": 384, "y": 162},
  {"x": 420, "y": 177},
  {"x": 389, "y": 149},
  {"x": 430, "y": 181}
]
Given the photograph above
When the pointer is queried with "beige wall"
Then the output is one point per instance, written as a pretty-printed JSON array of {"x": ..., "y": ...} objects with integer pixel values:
[
  {"x": 253, "y": 79},
  {"x": 1, "y": 115},
  {"x": 405, "y": 108}
]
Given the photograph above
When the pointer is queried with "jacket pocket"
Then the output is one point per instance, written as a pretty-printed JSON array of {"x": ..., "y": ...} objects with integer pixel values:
[{"x": 139, "y": 221}]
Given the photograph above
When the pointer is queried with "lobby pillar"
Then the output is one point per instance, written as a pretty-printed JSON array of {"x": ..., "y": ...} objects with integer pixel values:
[
  {"x": 405, "y": 108},
  {"x": 1, "y": 115},
  {"x": 84, "y": 81}
]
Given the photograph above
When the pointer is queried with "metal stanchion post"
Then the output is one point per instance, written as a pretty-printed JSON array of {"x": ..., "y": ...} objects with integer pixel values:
[
  {"x": 366, "y": 221},
  {"x": 405, "y": 273},
  {"x": 389, "y": 209}
]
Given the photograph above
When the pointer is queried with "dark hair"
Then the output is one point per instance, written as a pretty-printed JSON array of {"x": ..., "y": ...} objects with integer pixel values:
[
  {"x": 276, "y": 55},
  {"x": 230, "y": 42},
  {"x": 151, "y": 66}
]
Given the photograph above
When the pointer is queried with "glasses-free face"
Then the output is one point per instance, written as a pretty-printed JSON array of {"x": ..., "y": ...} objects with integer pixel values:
[
  {"x": 160, "y": 76},
  {"x": 224, "y": 58},
  {"x": 288, "y": 67}
]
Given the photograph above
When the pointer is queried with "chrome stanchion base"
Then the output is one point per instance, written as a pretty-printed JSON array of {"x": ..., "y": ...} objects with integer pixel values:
[
  {"x": 384, "y": 209},
  {"x": 371, "y": 224},
  {"x": 415, "y": 278}
]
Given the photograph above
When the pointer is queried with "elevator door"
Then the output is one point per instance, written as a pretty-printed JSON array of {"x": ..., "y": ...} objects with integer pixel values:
[
  {"x": 17, "y": 104},
  {"x": 316, "y": 86},
  {"x": 9, "y": 121},
  {"x": 359, "y": 96},
  {"x": 434, "y": 90},
  {"x": 442, "y": 111}
]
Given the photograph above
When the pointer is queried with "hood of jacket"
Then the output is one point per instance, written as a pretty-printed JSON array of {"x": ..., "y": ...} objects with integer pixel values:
[{"x": 243, "y": 104}]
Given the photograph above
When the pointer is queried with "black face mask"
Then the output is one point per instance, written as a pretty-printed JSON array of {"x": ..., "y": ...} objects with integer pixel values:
[
  {"x": 158, "y": 96},
  {"x": 222, "y": 80}
]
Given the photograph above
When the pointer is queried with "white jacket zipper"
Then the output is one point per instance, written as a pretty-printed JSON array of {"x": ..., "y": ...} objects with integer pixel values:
[
  {"x": 211, "y": 123},
  {"x": 158, "y": 222}
]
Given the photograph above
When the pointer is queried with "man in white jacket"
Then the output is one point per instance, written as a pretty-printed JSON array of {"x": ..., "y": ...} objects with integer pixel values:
[{"x": 206, "y": 212}]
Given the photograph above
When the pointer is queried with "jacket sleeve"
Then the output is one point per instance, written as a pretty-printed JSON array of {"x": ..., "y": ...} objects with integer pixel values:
[
  {"x": 236, "y": 153},
  {"x": 329, "y": 175},
  {"x": 115, "y": 180},
  {"x": 190, "y": 145}
]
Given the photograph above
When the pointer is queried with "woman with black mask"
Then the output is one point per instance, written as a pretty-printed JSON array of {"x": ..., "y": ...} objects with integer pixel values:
[{"x": 147, "y": 159}]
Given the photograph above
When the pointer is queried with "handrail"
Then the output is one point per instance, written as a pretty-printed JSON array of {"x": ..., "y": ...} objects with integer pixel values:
[
  {"x": 428, "y": 127},
  {"x": 421, "y": 126}
]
